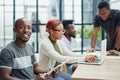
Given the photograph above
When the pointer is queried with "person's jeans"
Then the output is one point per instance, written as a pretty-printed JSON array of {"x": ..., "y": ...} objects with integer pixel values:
[
  {"x": 62, "y": 76},
  {"x": 69, "y": 68}
]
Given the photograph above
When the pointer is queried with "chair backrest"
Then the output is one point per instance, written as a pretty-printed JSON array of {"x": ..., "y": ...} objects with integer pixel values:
[{"x": 64, "y": 68}]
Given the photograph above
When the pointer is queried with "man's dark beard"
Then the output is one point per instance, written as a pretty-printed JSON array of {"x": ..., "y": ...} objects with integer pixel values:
[
  {"x": 23, "y": 40},
  {"x": 73, "y": 36}
]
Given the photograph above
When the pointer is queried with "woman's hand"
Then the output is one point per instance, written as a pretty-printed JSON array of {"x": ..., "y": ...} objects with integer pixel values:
[
  {"x": 90, "y": 58},
  {"x": 55, "y": 73}
]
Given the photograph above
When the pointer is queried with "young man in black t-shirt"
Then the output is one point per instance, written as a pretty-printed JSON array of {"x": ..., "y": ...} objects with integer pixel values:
[{"x": 109, "y": 20}]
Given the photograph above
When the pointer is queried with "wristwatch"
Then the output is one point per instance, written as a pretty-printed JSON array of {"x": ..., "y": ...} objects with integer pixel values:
[{"x": 118, "y": 49}]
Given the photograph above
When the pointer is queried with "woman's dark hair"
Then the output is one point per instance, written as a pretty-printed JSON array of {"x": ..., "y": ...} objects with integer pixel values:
[{"x": 103, "y": 4}]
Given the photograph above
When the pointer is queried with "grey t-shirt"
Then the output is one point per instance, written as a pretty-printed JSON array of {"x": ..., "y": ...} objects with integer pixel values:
[{"x": 19, "y": 59}]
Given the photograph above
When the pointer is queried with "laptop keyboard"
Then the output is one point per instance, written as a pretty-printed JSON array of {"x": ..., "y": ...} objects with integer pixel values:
[{"x": 97, "y": 61}]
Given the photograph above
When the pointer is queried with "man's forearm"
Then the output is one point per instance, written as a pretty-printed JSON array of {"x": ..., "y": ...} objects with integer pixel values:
[
  {"x": 38, "y": 69},
  {"x": 94, "y": 38},
  {"x": 5, "y": 74},
  {"x": 8, "y": 78},
  {"x": 13, "y": 78},
  {"x": 117, "y": 44},
  {"x": 93, "y": 42}
]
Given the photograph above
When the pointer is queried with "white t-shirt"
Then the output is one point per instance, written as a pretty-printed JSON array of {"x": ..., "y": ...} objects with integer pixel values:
[{"x": 69, "y": 44}]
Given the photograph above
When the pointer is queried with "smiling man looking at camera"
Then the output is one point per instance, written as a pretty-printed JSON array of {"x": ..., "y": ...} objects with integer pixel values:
[{"x": 17, "y": 60}]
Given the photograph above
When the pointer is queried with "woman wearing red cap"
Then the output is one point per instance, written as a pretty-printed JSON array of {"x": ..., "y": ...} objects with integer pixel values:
[{"x": 53, "y": 52}]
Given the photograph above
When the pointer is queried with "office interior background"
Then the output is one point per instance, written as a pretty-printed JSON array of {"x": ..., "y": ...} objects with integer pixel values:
[{"x": 81, "y": 11}]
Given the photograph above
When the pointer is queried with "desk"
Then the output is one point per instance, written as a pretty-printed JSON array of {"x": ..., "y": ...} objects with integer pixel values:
[{"x": 109, "y": 70}]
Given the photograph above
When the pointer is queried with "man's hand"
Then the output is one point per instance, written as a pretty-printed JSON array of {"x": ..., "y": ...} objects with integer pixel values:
[
  {"x": 90, "y": 58},
  {"x": 92, "y": 50},
  {"x": 43, "y": 77},
  {"x": 112, "y": 52}
]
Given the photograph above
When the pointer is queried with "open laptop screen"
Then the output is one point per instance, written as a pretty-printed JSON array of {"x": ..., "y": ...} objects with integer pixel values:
[{"x": 101, "y": 54}]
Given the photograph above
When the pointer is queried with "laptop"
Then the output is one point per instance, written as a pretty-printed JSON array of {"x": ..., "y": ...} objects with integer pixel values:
[{"x": 101, "y": 54}]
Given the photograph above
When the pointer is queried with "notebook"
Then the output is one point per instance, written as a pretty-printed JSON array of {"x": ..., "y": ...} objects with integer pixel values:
[{"x": 102, "y": 54}]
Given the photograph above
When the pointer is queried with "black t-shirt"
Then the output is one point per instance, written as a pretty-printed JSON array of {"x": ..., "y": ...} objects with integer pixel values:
[{"x": 109, "y": 26}]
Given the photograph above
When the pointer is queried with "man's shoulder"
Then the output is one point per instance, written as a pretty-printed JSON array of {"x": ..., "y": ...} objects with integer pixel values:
[
  {"x": 29, "y": 45},
  {"x": 8, "y": 49},
  {"x": 115, "y": 12},
  {"x": 64, "y": 38},
  {"x": 97, "y": 17},
  {"x": 9, "y": 46}
]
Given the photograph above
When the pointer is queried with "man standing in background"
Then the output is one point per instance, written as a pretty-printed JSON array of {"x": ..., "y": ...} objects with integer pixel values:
[{"x": 109, "y": 20}]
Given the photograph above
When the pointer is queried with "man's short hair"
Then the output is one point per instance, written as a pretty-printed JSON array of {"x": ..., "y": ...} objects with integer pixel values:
[
  {"x": 17, "y": 22},
  {"x": 103, "y": 4},
  {"x": 66, "y": 23}
]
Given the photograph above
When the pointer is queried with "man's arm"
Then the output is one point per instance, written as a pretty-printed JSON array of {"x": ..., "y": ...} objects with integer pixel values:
[
  {"x": 5, "y": 74},
  {"x": 94, "y": 38},
  {"x": 117, "y": 44},
  {"x": 38, "y": 69}
]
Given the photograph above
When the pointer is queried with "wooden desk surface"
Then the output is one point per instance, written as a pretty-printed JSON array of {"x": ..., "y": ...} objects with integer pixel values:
[{"x": 109, "y": 70}]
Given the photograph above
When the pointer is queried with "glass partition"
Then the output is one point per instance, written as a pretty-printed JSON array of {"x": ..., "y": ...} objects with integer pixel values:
[{"x": 81, "y": 11}]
